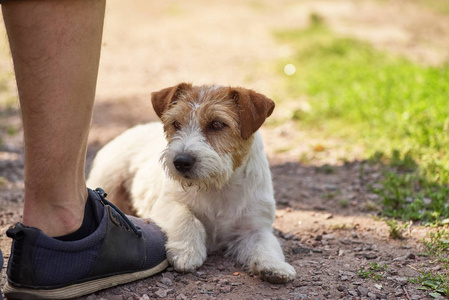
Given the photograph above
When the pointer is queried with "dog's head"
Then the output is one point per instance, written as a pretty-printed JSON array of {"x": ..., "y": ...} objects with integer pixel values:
[{"x": 209, "y": 130}]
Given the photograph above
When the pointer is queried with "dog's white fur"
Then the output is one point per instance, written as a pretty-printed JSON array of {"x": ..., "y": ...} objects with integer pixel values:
[{"x": 224, "y": 209}]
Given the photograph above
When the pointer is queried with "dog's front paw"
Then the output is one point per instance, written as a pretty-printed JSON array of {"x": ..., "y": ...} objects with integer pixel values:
[
  {"x": 187, "y": 260},
  {"x": 282, "y": 272}
]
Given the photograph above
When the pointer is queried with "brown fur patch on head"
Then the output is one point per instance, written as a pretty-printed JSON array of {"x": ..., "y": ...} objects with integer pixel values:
[
  {"x": 162, "y": 99},
  {"x": 219, "y": 107}
]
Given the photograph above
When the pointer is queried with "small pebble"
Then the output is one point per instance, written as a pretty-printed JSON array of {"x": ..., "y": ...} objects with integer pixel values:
[
  {"x": 181, "y": 297},
  {"x": 288, "y": 236},
  {"x": 225, "y": 289},
  {"x": 402, "y": 280},
  {"x": 362, "y": 291},
  {"x": 161, "y": 293},
  {"x": 167, "y": 281},
  {"x": 412, "y": 256},
  {"x": 301, "y": 250},
  {"x": 300, "y": 296}
]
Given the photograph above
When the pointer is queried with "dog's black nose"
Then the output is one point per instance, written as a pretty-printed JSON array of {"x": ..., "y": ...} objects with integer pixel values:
[{"x": 184, "y": 162}]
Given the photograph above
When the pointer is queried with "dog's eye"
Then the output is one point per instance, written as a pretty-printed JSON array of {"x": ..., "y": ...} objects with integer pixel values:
[
  {"x": 217, "y": 125},
  {"x": 177, "y": 125}
]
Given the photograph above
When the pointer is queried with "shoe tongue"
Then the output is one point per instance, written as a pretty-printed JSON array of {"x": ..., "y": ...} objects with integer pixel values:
[{"x": 96, "y": 206}]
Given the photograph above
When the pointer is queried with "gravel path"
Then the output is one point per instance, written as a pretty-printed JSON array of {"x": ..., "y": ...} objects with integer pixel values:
[{"x": 151, "y": 45}]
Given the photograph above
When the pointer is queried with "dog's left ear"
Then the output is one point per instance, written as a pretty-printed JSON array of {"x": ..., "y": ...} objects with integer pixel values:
[
  {"x": 162, "y": 99},
  {"x": 254, "y": 109}
]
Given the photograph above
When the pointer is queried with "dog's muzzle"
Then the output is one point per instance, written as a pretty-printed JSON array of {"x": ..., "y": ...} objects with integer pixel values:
[{"x": 184, "y": 162}]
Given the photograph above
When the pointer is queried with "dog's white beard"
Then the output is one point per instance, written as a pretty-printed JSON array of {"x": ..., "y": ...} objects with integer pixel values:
[{"x": 210, "y": 169}]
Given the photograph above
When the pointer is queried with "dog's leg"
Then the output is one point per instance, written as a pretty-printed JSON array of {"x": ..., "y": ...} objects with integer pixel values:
[
  {"x": 261, "y": 252},
  {"x": 186, "y": 236}
]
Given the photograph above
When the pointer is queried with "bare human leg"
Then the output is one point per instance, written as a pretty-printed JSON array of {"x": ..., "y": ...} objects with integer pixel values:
[{"x": 55, "y": 47}]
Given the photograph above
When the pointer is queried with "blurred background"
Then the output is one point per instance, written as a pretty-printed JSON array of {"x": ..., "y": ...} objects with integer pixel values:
[
  {"x": 361, "y": 82},
  {"x": 375, "y": 67}
]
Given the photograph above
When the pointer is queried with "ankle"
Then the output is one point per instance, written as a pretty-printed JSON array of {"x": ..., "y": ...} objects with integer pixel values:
[{"x": 55, "y": 219}]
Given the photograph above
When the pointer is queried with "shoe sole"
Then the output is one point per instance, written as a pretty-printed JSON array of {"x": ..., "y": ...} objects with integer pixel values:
[{"x": 80, "y": 289}]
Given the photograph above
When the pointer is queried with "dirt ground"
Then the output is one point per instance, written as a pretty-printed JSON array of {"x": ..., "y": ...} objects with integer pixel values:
[{"x": 149, "y": 45}]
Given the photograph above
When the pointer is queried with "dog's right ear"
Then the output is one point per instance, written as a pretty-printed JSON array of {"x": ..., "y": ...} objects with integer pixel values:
[{"x": 162, "y": 99}]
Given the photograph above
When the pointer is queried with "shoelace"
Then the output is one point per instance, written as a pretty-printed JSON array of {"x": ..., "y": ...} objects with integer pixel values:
[{"x": 127, "y": 221}]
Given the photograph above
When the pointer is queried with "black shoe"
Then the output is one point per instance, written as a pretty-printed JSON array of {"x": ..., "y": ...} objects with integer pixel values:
[{"x": 122, "y": 249}]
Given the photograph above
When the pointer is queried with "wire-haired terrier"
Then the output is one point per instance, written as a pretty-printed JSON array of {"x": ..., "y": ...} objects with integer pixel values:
[{"x": 207, "y": 184}]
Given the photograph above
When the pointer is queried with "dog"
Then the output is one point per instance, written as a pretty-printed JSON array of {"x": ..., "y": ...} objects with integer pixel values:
[{"x": 202, "y": 175}]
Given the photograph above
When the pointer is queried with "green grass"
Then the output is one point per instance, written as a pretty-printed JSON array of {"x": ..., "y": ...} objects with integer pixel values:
[
  {"x": 410, "y": 196},
  {"x": 440, "y": 6},
  {"x": 389, "y": 102},
  {"x": 374, "y": 270},
  {"x": 437, "y": 245},
  {"x": 396, "y": 109},
  {"x": 397, "y": 230},
  {"x": 436, "y": 283}
]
